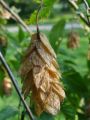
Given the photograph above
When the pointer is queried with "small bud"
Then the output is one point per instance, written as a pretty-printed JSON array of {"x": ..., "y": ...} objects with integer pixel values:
[{"x": 7, "y": 87}]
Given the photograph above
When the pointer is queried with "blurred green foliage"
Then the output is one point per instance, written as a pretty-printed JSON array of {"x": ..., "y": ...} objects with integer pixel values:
[{"x": 73, "y": 63}]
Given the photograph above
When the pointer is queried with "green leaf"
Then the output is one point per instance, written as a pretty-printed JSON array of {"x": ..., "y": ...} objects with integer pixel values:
[
  {"x": 2, "y": 21},
  {"x": 88, "y": 64},
  {"x": 7, "y": 113},
  {"x": 68, "y": 110},
  {"x": 37, "y": 1},
  {"x": 57, "y": 33},
  {"x": 32, "y": 18},
  {"x": 46, "y": 116},
  {"x": 60, "y": 116},
  {"x": 74, "y": 81},
  {"x": 2, "y": 74},
  {"x": 82, "y": 8},
  {"x": 79, "y": 1},
  {"x": 45, "y": 11},
  {"x": 21, "y": 34}
]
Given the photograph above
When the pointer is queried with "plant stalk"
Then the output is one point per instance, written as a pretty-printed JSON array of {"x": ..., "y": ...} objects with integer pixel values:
[
  {"x": 75, "y": 6},
  {"x": 16, "y": 87},
  {"x": 15, "y": 16}
]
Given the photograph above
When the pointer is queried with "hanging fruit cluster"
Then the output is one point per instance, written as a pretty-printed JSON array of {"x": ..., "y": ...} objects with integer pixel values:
[
  {"x": 4, "y": 14},
  {"x": 73, "y": 40},
  {"x": 40, "y": 75}
]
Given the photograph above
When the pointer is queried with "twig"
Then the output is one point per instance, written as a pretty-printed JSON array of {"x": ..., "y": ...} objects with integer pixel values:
[
  {"x": 86, "y": 4},
  {"x": 16, "y": 87},
  {"x": 37, "y": 16},
  {"x": 87, "y": 8},
  {"x": 75, "y": 6},
  {"x": 16, "y": 17}
]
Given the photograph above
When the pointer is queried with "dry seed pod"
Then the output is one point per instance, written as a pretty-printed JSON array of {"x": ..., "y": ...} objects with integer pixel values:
[
  {"x": 40, "y": 75},
  {"x": 73, "y": 40},
  {"x": 4, "y": 14},
  {"x": 7, "y": 87}
]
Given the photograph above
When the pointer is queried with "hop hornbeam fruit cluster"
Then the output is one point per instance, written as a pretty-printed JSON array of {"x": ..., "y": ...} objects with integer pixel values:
[
  {"x": 4, "y": 14},
  {"x": 73, "y": 40},
  {"x": 40, "y": 75}
]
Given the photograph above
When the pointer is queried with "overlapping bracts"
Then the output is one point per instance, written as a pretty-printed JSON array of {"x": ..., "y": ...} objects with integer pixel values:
[{"x": 40, "y": 75}]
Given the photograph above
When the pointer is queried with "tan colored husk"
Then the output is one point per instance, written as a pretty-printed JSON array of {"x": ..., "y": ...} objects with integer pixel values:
[
  {"x": 73, "y": 40},
  {"x": 40, "y": 75},
  {"x": 4, "y": 13}
]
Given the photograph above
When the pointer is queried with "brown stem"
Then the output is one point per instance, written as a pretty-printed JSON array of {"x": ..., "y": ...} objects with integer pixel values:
[{"x": 37, "y": 15}]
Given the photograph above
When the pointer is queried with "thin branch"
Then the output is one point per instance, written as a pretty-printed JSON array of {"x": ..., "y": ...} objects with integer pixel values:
[
  {"x": 15, "y": 16},
  {"x": 16, "y": 86},
  {"x": 37, "y": 15},
  {"x": 75, "y": 6},
  {"x": 86, "y": 4},
  {"x": 87, "y": 8}
]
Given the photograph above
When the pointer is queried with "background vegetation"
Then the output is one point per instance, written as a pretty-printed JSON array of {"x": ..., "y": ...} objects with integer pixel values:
[{"x": 74, "y": 61}]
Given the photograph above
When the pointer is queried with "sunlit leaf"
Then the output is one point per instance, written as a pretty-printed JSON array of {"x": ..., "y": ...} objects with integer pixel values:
[
  {"x": 21, "y": 34},
  {"x": 57, "y": 33}
]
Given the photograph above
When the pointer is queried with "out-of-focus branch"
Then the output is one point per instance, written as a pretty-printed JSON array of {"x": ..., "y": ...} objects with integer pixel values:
[
  {"x": 82, "y": 16},
  {"x": 15, "y": 16},
  {"x": 87, "y": 9},
  {"x": 16, "y": 86},
  {"x": 86, "y": 4}
]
